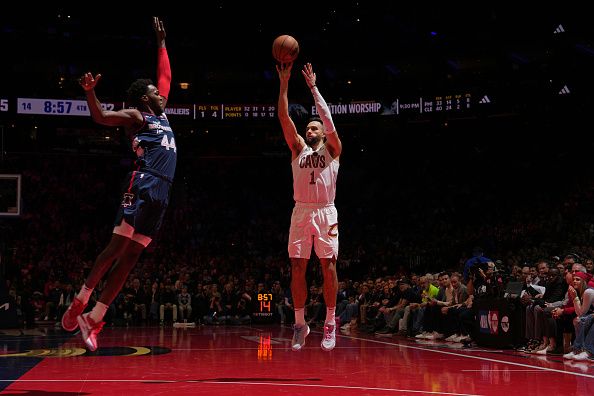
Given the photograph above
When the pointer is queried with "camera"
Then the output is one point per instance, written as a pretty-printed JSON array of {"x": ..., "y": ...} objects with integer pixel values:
[{"x": 478, "y": 265}]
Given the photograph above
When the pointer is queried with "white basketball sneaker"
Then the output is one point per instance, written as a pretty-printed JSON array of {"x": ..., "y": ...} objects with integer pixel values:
[
  {"x": 329, "y": 340},
  {"x": 300, "y": 332}
]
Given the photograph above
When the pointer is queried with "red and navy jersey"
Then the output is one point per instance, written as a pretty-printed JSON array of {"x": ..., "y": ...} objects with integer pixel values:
[{"x": 154, "y": 145}]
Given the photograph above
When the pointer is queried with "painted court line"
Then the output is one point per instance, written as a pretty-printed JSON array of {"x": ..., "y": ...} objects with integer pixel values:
[
  {"x": 536, "y": 368},
  {"x": 365, "y": 388}
]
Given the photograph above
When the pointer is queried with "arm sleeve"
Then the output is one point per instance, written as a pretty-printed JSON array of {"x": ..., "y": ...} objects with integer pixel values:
[
  {"x": 163, "y": 72},
  {"x": 323, "y": 110}
]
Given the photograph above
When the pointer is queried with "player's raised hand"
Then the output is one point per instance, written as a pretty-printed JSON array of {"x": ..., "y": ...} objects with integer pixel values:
[
  {"x": 309, "y": 75},
  {"x": 88, "y": 82},
  {"x": 159, "y": 29},
  {"x": 284, "y": 71}
]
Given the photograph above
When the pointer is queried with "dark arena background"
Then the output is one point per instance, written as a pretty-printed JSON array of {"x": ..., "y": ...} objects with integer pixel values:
[{"x": 461, "y": 128}]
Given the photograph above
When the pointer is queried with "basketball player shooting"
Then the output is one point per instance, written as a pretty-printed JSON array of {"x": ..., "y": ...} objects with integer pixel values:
[
  {"x": 146, "y": 192},
  {"x": 315, "y": 162}
]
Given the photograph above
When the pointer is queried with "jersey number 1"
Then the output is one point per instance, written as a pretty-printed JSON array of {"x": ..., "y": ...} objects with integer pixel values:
[{"x": 312, "y": 180}]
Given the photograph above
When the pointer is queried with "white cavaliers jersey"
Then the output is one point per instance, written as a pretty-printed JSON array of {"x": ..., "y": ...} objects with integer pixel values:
[{"x": 314, "y": 176}]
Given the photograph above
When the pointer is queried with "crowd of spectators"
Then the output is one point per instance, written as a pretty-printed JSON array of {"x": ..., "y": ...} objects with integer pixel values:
[{"x": 224, "y": 241}]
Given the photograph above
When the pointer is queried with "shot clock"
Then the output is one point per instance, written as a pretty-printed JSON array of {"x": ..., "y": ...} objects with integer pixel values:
[
  {"x": 264, "y": 308},
  {"x": 265, "y": 299}
]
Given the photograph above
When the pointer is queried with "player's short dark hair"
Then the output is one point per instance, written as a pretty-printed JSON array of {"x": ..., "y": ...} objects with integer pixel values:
[
  {"x": 318, "y": 119},
  {"x": 137, "y": 90}
]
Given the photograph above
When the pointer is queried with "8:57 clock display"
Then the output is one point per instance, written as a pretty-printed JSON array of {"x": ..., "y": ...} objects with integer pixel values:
[{"x": 56, "y": 107}]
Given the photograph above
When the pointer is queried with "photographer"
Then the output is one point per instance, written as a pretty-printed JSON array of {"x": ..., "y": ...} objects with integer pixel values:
[
  {"x": 483, "y": 281},
  {"x": 475, "y": 270}
]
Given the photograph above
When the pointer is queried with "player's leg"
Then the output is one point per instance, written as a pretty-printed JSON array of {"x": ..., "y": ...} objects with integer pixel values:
[
  {"x": 326, "y": 247},
  {"x": 330, "y": 287},
  {"x": 91, "y": 323},
  {"x": 118, "y": 243},
  {"x": 299, "y": 294},
  {"x": 300, "y": 243},
  {"x": 299, "y": 288},
  {"x": 330, "y": 290}
]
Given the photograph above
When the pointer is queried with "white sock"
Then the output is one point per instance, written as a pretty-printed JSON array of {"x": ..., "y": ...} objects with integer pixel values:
[
  {"x": 84, "y": 294},
  {"x": 330, "y": 315},
  {"x": 98, "y": 312},
  {"x": 300, "y": 316}
]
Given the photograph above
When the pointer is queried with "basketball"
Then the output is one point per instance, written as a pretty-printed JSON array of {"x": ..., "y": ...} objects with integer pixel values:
[{"x": 285, "y": 48}]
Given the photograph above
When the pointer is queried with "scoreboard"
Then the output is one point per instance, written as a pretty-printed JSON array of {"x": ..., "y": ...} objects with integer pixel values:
[
  {"x": 450, "y": 103},
  {"x": 63, "y": 107},
  {"x": 234, "y": 111}
]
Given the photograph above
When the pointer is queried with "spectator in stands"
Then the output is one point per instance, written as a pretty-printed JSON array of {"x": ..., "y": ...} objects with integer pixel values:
[
  {"x": 431, "y": 321},
  {"x": 544, "y": 323},
  {"x": 184, "y": 300},
  {"x": 288, "y": 310},
  {"x": 453, "y": 328},
  {"x": 278, "y": 297},
  {"x": 563, "y": 313},
  {"x": 395, "y": 313},
  {"x": 314, "y": 305},
  {"x": 351, "y": 313},
  {"x": 137, "y": 298},
  {"x": 168, "y": 303},
  {"x": 229, "y": 299},
  {"x": 52, "y": 300},
  {"x": 214, "y": 308},
  {"x": 153, "y": 300},
  {"x": 583, "y": 300},
  {"x": 414, "y": 312},
  {"x": 589, "y": 264},
  {"x": 200, "y": 302},
  {"x": 533, "y": 290}
]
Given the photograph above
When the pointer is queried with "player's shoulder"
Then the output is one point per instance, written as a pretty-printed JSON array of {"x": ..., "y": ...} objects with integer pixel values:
[{"x": 132, "y": 112}]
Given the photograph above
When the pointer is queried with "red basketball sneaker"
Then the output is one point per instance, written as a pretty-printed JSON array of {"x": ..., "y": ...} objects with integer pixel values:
[
  {"x": 69, "y": 322},
  {"x": 89, "y": 330}
]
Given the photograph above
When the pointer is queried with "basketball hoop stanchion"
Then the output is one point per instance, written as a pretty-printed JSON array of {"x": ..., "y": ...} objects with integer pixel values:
[{"x": 8, "y": 313}]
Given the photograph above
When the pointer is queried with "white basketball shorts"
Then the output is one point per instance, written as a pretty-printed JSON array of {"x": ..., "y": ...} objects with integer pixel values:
[{"x": 313, "y": 224}]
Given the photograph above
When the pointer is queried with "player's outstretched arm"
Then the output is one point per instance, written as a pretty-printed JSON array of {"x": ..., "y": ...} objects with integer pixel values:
[
  {"x": 163, "y": 66},
  {"x": 127, "y": 118},
  {"x": 332, "y": 140},
  {"x": 293, "y": 139}
]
